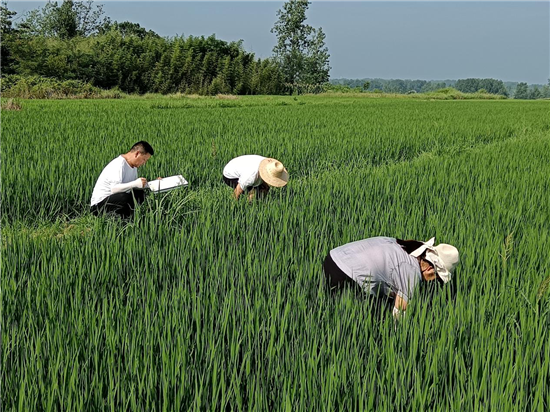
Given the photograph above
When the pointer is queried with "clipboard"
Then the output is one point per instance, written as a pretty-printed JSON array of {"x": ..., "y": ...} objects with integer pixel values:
[{"x": 167, "y": 184}]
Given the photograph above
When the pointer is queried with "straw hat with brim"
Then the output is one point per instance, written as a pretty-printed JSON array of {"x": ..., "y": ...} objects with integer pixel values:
[
  {"x": 443, "y": 257},
  {"x": 273, "y": 172}
]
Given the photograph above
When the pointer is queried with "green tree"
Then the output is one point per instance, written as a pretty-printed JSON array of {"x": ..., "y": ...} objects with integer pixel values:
[
  {"x": 228, "y": 74},
  {"x": 209, "y": 67},
  {"x": 71, "y": 19},
  {"x": 162, "y": 76},
  {"x": 300, "y": 50},
  {"x": 546, "y": 90},
  {"x": 127, "y": 28},
  {"x": 6, "y": 16},
  {"x": 6, "y": 38},
  {"x": 187, "y": 70},
  {"x": 535, "y": 93},
  {"x": 65, "y": 21},
  {"x": 238, "y": 73},
  {"x": 177, "y": 64},
  {"x": 316, "y": 68},
  {"x": 521, "y": 91}
]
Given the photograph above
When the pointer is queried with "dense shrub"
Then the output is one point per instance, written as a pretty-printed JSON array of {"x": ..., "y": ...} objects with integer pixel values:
[{"x": 37, "y": 87}]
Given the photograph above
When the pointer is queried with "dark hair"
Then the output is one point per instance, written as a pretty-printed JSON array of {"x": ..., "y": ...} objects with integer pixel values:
[
  {"x": 143, "y": 147},
  {"x": 409, "y": 246}
]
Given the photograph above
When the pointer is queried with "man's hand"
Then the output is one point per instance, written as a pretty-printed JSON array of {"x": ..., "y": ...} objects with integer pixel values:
[
  {"x": 143, "y": 181},
  {"x": 251, "y": 195}
]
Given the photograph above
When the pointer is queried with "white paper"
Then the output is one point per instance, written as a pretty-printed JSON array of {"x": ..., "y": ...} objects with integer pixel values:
[{"x": 166, "y": 184}]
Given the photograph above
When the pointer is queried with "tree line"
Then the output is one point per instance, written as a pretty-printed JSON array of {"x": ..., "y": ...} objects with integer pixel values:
[
  {"x": 76, "y": 41},
  {"x": 472, "y": 85}
]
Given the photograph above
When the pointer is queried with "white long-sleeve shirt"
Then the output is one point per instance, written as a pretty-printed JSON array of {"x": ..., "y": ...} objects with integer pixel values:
[{"x": 117, "y": 176}]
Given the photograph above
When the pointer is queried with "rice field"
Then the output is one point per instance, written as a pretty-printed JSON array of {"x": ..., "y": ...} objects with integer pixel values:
[{"x": 205, "y": 303}]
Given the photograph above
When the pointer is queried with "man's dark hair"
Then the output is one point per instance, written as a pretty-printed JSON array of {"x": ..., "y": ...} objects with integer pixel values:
[{"x": 143, "y": 147}]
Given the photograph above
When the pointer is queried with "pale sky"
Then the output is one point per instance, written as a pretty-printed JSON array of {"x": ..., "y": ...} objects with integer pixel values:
[{"x": 433, "y": 40}]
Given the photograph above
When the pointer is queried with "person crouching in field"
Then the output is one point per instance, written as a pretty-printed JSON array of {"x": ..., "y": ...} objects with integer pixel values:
[
  {"x": 390, "y": 266},
  {"x": 118, "y": 186},
  {"x": 254, "y": 173}
]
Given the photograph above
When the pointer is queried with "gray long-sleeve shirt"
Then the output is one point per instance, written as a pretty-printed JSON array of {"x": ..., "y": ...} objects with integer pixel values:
[{"x": 379, "y": 264}]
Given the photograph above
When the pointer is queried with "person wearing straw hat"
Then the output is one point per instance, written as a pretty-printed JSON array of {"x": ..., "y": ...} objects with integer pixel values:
[
  {"x": 390, "y": 266},
  {"x": 254, "y": 173}
]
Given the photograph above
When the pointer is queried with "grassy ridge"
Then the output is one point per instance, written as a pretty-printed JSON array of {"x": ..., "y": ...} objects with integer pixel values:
[{"x": 206, "y": 303}]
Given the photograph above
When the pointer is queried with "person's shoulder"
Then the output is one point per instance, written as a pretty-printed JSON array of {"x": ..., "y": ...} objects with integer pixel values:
[
  {"x": 378, "y": 240},
  {"x": 251, "y": 163},
  {"x": 246, "y": 159},
  {"x": 117, "y": 163},
  {"x": 383, "y": 239},
  {"x": 118, "y": 159},
  {"x": 250, "y": 157}
]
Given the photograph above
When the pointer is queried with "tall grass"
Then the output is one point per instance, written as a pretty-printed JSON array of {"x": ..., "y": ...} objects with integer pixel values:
[{"x": 202, "y": 302}]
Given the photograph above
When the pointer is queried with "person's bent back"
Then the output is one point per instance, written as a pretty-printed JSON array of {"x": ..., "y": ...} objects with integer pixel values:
[{"x": 118, "y": 186}]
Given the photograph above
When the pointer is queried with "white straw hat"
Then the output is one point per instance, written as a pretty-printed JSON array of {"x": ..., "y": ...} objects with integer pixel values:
[
  {"x": 273, "y": 172},
  {"x": 443, "y": 257}
]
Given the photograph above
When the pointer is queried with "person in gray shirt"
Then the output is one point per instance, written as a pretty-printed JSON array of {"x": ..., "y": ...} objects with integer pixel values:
[{"x": 390, "y": 266}]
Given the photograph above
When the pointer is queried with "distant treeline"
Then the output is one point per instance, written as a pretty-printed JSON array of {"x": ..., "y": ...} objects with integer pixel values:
[{"x": 492, "y": 86}]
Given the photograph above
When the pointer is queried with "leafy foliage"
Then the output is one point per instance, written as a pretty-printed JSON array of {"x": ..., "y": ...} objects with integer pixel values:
[
  {"x": 300, "y": 49},
  {"x": 38, "y": 87},
  {"x": 138, "y": 62},
  {"x": 489, "y": 85},
  {"x": 521, "y": 91},
  {"x": 68, "y": 20},
  {"x": 74, "y": 41}
]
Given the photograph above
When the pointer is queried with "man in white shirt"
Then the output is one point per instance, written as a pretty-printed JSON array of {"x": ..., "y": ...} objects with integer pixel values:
[
  {"x": 254, "y": 173},
  {"x": 118, "y": 186}
]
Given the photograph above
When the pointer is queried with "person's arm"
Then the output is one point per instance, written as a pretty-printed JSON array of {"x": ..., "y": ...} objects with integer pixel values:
[
  {"x": 238, "y": 191},
  {"x": 399, "y": 308},
  {"x": 246, "y": 181},
  {"x": 406, "y": 279},
  {"x": 139, "y": 183}
]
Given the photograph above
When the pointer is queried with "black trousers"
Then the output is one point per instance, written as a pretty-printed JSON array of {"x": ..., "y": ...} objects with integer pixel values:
[
  {"x": 122, "y": 204},
  {"x": 336, "y": 278},
  {"x": 260, "y": 194},
  {"x": 231, "y": 182}
]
